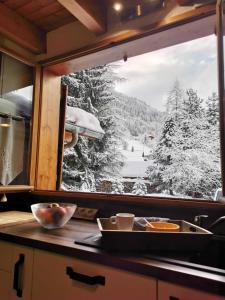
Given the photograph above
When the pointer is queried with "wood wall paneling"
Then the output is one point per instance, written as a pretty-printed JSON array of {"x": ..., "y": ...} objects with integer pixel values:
[{"x": 48, "y": 136}]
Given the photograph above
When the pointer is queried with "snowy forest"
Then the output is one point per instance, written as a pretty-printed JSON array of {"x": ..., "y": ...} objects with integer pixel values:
[{"x": 143, "y": 151}]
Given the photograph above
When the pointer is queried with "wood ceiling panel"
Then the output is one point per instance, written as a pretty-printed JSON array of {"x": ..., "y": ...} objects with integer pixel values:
[
  {"x": 31, "y": 7},
  {"x": 50, "y": 9},
  {"x": 20, "y": 30},
  {"x": 52, "y": 22},
  {"x": 46, "y": 14},
  {"x": 14, "y": 4}
]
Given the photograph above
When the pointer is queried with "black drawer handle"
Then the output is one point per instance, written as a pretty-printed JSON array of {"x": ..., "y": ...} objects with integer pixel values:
[
  {"x": 91, "y": 280},
  {"x": 16, "y": 280},
  {"x": 173, "y": 298}
]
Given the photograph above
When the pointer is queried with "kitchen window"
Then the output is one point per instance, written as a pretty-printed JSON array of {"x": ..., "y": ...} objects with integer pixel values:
[{"x": 147, "y": 125}]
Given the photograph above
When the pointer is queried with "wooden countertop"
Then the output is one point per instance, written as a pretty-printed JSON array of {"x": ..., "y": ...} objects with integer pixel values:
[{"x": 62, "y": 241}]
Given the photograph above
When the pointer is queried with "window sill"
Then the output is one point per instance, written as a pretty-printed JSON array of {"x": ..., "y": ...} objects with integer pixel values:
[
  {"x": 96, "y": 197},
  {"x": 16, "y": 188}
]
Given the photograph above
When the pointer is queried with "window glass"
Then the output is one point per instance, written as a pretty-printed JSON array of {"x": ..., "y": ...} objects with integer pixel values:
[
  {"x": 146, "y": 126},
  {"x": 16, "y": 93}
]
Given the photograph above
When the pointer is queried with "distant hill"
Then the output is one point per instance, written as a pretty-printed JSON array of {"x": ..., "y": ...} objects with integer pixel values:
[{"x": 135, "y": 116}]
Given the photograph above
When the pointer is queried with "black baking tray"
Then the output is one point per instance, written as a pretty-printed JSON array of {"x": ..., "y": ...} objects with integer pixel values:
[{"x": 189, "y": 238}]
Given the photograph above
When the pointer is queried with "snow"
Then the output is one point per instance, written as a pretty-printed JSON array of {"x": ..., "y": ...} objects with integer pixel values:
[
  {"x": 83, "y": 118},
  {"x": 138, "y": 148},
  {"x": 135, "y": 164},
  {"x": 134, "y": 169}
]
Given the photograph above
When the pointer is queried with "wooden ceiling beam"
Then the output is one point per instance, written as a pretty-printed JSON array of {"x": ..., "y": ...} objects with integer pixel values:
[
  {"x": 21, "y": 31},
  {"x": 193, "y": 2},
  {"x": 91, "y": 13}
]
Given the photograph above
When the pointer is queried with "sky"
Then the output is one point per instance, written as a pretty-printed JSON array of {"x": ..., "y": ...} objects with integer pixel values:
[{"x": 151, "y": 76}]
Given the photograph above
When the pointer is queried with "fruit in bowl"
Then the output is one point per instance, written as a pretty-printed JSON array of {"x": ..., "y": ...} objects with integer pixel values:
[{"x": 53, "y": 215}]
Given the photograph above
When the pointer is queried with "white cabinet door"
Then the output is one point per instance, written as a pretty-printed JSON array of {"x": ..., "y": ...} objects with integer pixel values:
[
  {"x": 168, "y": 291},
  {"x": 51, "y": 280},
  {"x": 21, "y": 281}
]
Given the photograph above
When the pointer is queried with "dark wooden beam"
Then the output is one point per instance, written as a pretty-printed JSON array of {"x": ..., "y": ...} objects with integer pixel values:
[
  {"x": 18, "y": 29},
  {"x": 193, "y": 2},
  {"x": 91, "y": 13}
]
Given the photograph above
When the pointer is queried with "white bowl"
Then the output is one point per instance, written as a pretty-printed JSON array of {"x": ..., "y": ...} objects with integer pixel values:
[{"x": 53, "y": 215}]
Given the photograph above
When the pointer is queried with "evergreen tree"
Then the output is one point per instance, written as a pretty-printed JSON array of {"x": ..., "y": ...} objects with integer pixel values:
[
  {"x": 212, "y": 109},
  {"x": 117, "y": 187},
  {"x": 192, "y": 105},
  {"x": 186, "y": 158},
  {"x": 175, "y": 101},
  {"x": 163, "y": 156},
  {"x": 139, "y": 187},
  {"x": 91, "y": 160}
]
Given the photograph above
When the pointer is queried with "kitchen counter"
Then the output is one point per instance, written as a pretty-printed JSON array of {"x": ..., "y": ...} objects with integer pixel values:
[{"x": 62, "y": 241}]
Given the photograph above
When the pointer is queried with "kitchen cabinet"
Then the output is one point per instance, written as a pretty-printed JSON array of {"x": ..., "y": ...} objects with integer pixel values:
[
  {"x": 59, "y": 277},
  {"x": 16, "y": 264},
  {"x": 22, "y": 266},
  {"x": 6, "y": 259},
  {"x": 4, "y": 285},
  {"x": 169, "y": 291}
]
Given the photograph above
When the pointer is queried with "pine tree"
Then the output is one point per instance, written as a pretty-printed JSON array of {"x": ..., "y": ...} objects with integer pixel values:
[
  {"x": 192, "y": 105},
  {"x": 175, "y": 100},
  {"x": 117, "y": 187},
  {"x": 186, "y": 158},
  {"x": 139, "y": 187},
  {"x": 91, "y": 160},
  {"x": 212, "y": 109},
  {"x": 163, "y": 156}
]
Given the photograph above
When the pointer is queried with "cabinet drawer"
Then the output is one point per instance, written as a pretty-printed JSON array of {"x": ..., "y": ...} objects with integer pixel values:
[
  {"x": 168, "y": 291},
  {"x": 24, "y": 278},
  {"x": 6, "y": 256},
  {"x": 114, "y": 284}
]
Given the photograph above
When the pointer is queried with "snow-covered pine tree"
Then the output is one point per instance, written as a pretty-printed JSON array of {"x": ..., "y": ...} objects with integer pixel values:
[
  {"x": 162, "y": 156},
  {"x": 175, "y": 100},
  {"x": 117, "y": 187},
  {"x": 165, "y": 146},
  {"x": 192, "y": 104},
  {"x": 91, "y": 160},
  {"x": 186, "y": 159},
  {"x": 212, "y": 109},
  {"x": 139, "y": 187}
]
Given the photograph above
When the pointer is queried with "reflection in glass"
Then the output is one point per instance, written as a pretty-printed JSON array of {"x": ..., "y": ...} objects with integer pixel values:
[{"x": 16, "y": 93}]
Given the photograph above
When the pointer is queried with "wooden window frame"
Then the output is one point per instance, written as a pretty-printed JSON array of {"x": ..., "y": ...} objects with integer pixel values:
[
  {"x": 59, "y": 67},
  {"x": 43, "y": 180}
]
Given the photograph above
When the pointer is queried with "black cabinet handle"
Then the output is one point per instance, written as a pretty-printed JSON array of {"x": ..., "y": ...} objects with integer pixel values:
[
  {"x": 16, "y": 279},
  {"x": 91, "y": 280},
  {"x": 173, "y": 298}
]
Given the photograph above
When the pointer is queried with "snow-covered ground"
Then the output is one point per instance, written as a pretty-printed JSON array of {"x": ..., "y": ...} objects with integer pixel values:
[
  {"x": 138, "y": 148},
  {"x": 135, "y": 168},
  {"x": 135, "y": 164}
]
